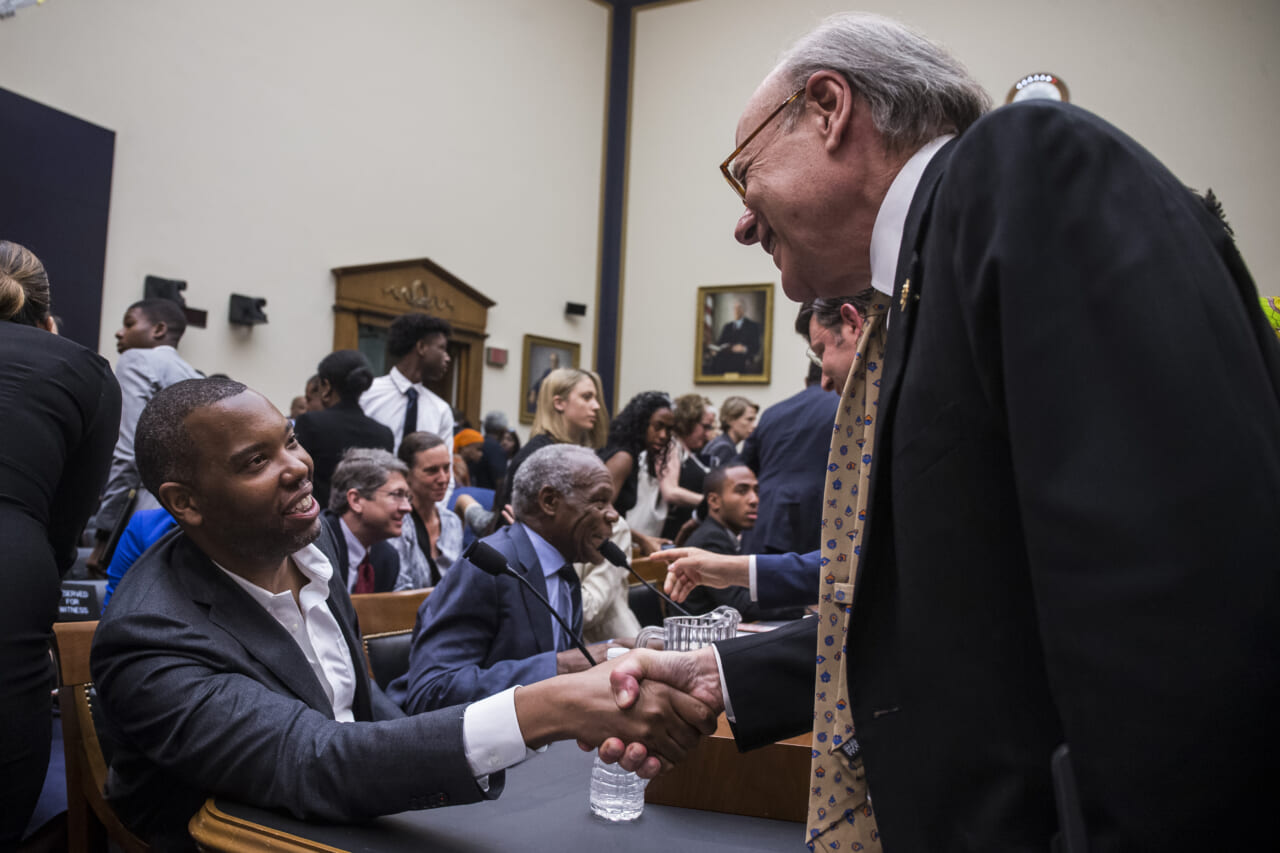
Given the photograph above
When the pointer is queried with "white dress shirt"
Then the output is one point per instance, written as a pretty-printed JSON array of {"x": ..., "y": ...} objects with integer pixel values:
[
  {"x": 490, "y": 729},
  {"x": 386, "y": 403}
]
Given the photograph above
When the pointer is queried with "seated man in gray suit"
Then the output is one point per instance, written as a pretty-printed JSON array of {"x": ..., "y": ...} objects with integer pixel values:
[
  {"x": 230, "y": 661},
  {"x": 478, "y": 634}
]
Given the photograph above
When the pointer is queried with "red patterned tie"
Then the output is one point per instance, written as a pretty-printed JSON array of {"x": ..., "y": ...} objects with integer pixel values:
[{"x": 364, "y": 575}]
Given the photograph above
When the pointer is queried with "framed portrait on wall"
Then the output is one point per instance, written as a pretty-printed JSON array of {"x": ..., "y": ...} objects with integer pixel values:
[
  {"x": 541, "y": 356},
  {"x": 734, "y": 340}
]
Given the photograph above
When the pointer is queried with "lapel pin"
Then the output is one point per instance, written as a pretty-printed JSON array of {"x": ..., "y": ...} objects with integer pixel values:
[{"x": 906, "y": 293}]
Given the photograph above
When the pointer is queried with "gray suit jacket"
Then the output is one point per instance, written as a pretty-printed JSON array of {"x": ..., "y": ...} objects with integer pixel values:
[
  {"x": 204, "y": 693},
  {"x": 142, "y": 373}
]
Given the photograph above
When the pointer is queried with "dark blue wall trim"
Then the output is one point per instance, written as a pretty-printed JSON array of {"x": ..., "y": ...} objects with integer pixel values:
[{"x": 617, "y": 109}]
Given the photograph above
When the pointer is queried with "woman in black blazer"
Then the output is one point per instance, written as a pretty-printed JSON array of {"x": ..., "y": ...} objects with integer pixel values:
[
  {"x": 59, "y": 419},
  {"x": 341, "y": 425}
]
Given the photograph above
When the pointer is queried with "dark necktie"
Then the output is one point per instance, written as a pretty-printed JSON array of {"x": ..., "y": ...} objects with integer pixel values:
[
  {"x": 410, "y": 412},
  {"x": 573, "y": 586},
  {"x": 364, "y": 575}
]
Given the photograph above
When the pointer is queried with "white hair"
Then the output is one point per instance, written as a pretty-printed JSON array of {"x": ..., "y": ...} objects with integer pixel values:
[
  {"x": 559, "y": 466},
  {"x": 917, "y": 91}
]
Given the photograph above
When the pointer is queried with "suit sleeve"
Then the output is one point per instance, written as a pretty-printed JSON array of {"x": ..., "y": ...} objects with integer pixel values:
[
  {"x": 462, "y": 650},
  {"x": 769, "y": 680},
  {"x": 1144, "y": 434},
  {"x": 787, "y": 580}
]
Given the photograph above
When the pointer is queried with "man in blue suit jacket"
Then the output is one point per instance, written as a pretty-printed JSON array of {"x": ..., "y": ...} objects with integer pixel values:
[
  {"x": 788, "y": 451},
  {"x": 479, "y": 634}
]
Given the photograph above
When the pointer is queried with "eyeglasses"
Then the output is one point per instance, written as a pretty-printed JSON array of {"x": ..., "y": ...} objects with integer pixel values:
[
  {"x": 397, "y": 496},
  {"x": 726, "y": 168},
  {"x": 813, "y": 357}
]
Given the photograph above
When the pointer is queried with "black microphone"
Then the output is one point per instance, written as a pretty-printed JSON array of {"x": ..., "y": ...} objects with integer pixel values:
[
  {"x": 489, "y": 560},
  {"x": 611, "y": 552}
]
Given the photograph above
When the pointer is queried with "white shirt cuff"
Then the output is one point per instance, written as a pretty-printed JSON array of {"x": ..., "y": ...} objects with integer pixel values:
[
  {"x": 491, "y": 735},
  {"x": 751, "y": 584},
  {"x": 724, "y": 686}
]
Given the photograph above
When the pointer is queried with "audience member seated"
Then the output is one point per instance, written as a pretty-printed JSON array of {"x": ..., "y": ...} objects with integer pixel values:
[
  {"x": 737, "y": 420},
  {"x": 148, "y": 362},
  {"x": 488, "y": 471},
  {"x": 341, "y": 424},
  {"x": 418, "y": 344},
  {"x": 732, "y": 500},
  {"x": 788, "y": 451},
  {"x": 478, "y": 634},
  {"x": 468, "y": 451},
  {"x": 693, "y": 420},
  {"x": 431, "y": 539},
  {"x": 230, "y": 664},
  {"x": 144, "y": 529},
  {"x": 369, "y": 502},
  {"x": 511, "y": 443},
  {"x": 641, "y": 429}
]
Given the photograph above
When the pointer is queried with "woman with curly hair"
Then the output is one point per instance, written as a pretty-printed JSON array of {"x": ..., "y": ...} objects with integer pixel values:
[{"x": 636, "y": 453}]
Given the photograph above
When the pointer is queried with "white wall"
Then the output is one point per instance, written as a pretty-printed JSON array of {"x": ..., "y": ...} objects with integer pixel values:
[
  {"x": 1194, "y": 82},
  {"x": 260, "y": 144}
]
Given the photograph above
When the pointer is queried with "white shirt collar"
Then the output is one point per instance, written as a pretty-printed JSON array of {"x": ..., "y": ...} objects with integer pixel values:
[
  {"x": 355, "y": 549},
  {"x": 891, "y": 220},
  {"x": 314, "y": 566}
]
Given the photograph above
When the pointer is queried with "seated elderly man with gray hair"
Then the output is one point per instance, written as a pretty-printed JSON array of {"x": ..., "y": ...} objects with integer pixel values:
[
  {"x": 368, "y": 502},
  {"x": 479, "y": 634}
]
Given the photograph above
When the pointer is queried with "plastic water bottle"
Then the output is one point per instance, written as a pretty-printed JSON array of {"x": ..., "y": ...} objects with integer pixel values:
[{"x": 616, "y": 794}]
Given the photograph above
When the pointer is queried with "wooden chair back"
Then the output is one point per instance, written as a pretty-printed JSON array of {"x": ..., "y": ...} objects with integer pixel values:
[
  {"x": 386, "y": 630},
  {"x": 90, "y": 818}
]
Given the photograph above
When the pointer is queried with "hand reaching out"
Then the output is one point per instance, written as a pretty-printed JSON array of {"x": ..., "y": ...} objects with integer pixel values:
[{"x": 691, "y": 567}]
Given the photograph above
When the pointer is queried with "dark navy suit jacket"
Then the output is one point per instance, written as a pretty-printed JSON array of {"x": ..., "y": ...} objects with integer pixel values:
[
  {"x": 788, "y": 451},
  {"x": 478, "y": 634}
]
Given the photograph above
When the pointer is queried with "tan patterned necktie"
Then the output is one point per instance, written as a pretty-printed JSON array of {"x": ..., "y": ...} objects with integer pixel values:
[{"x": 840, "y": 816}]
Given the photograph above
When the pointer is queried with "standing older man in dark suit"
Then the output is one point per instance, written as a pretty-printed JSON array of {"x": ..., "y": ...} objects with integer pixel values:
[
  {"x": 230, "y": 661},
  {"x": 479, "y": 634},
  {"x": 1070, "y": 515}
]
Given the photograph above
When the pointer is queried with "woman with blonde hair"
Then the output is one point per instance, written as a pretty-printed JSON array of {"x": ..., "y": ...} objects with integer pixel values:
[{"x": 58, "y": 426}]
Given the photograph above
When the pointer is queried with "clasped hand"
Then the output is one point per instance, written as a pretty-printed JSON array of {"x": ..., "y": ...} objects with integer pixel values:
[{"x": 677, "y": 694}]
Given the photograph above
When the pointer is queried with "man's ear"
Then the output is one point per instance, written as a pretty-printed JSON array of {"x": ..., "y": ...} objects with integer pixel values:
[
  {"x": 548, "y": 501},
  {"x": 714, "y": 502},
  {"x": 832, "y": 98},
  {"x": 181, "y": 503},
  {"x": 355, "y": 501},
  {"x": 852, "y": 319}
]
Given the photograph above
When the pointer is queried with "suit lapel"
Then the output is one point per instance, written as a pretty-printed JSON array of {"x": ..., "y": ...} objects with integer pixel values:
[
  {"x": 244, "y": 620},
  {"x": 527, "y": 564},
  {"x": 344, "y": 614},
  {"x": 908, "y": 282},
  {"x": 908, "y": 285}
]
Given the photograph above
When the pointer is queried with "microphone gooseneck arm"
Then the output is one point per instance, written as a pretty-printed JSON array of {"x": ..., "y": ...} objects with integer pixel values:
[
  {"x": 613, "y": 554},
  {"x": 488, "y": 559}
]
